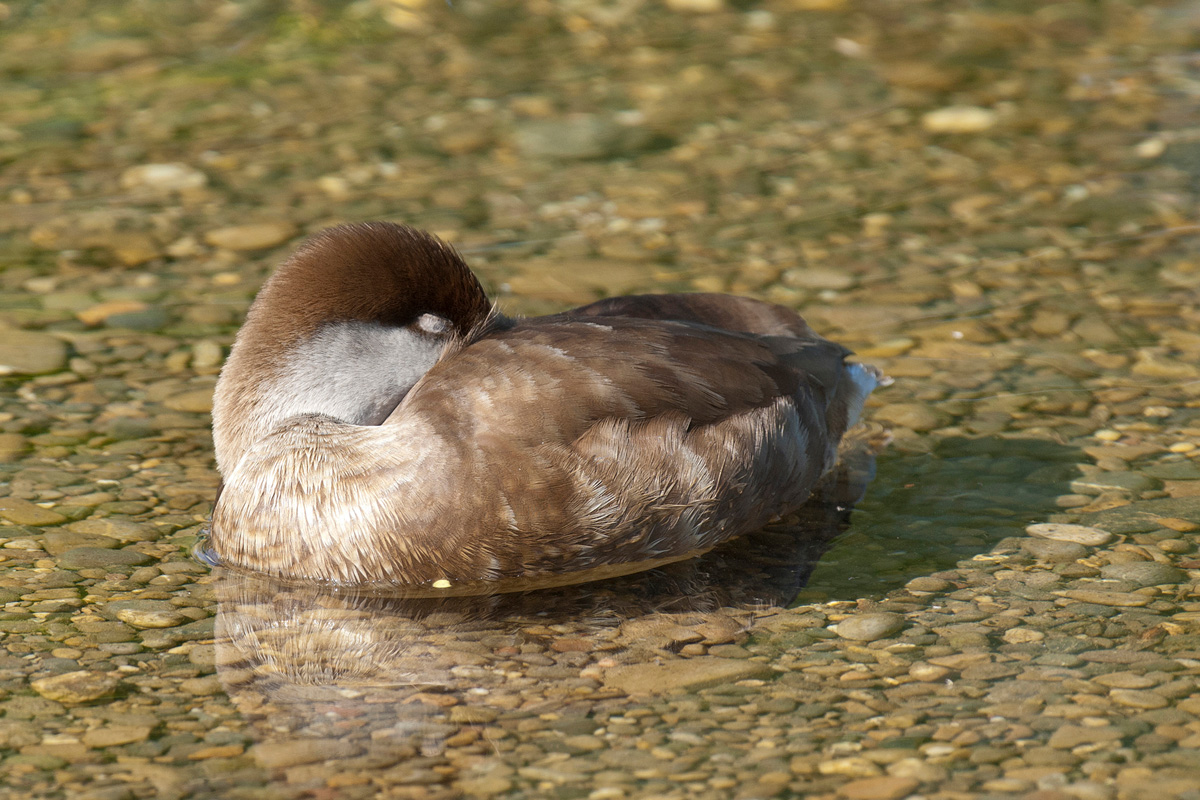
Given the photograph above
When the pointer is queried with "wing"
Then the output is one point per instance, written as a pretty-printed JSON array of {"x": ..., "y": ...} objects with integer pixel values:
[
  {"x": 551, "y": 379},
  {"x": 728, "y": 312},
  {"x": 582, "y": 443}
]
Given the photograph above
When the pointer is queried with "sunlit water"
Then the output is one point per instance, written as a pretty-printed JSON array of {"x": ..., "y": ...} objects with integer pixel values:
[{"x": 994, "y": 203}]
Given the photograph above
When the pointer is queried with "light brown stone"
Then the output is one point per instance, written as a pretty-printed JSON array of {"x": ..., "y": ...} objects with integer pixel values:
[
  {"x": 887, "y": 787},
  {"x": 682, "y": 674}
]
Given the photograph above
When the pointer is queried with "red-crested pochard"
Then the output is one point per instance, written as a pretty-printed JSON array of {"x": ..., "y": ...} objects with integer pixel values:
[{"x": 379, "y": 422}]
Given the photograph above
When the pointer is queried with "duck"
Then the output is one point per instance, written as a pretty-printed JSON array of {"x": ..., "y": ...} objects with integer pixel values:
[{"x": 378, "y": 421}]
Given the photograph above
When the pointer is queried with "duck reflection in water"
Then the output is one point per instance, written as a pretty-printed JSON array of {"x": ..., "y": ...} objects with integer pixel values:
[{"x": 327, "y": 660}]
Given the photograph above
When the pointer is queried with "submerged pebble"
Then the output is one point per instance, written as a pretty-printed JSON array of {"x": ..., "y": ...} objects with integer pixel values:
[
  {"x": 1079, "y": 534},
  {"x": 80, "y": 686},
  {"x": 870, "y": 627}
]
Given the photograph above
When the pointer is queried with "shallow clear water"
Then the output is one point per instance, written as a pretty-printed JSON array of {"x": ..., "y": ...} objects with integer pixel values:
[{"x": 993, "y": 202}]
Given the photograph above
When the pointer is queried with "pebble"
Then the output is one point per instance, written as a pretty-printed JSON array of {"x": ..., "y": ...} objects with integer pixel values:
[
  {"x": 172, "y": 177},
  {"x": 927, "y": 584},
  {"x": 1124, "y": 680},
  {"x": 487, "y": 786},
  {"x": 870, "y": 627},
  {"x": 1102, "y": 598},
  {"x": 577, "y": 137},
  {"x": 95, "y": 557},
  {"x": 473, "y": 715},
  {"x": 682, "y": 675},
  {"x": 12, "y": 446},
  {"x": 1023, "y": 636},
  {"x": 1068, "y": 737},
  {"x": 1062, "y": 532},
  {"x": 206, "y": 354},
  {"x": 913, "y": 416},
  {"x": 121, "y": 530},
  {"x": 116, "y": 735},
  {"x": 198, "y": 401},
  {"x": 880, "y": 788},
  {"x": 1109, "y": 481},
  {"x": 696, "y": 6},
  {"x": 23, "y": 512},
  {"x": 31, "y": 353},
  {"x": 202, "y": 687},
  {"x": 58, "y": 542},
  {"x": 280, "y": 754},
  {"x": 151, "y": 618},
  {"x": 959, "y": 119},
  {"x": 1144, "y": 573},
  {"x": 77, "y": 687},
  {"x": 252, "y": 236},
  {"x": 1054, "y": 551},
  {"x": 1137, "y": 698},
  {"x": 103, "y": 312},
  {"x": 817, "y": 279}
]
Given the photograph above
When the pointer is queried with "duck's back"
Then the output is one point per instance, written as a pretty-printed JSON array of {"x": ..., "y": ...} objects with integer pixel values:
[
  {"x": 724, "y": 311},
  {"x": 594, "y": 438}
]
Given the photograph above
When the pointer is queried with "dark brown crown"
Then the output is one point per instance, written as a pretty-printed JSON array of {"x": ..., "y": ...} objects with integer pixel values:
[{"x": 372, "y": 272}]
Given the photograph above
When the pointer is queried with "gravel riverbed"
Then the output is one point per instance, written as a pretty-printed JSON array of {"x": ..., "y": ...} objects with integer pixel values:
[{"x": 996, "y": 203}]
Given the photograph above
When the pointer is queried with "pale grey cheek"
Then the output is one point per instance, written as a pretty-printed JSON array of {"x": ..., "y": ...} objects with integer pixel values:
[{"x": 355, "y": 372}]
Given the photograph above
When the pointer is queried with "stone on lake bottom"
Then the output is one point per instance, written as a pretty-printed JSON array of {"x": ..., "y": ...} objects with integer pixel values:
[
  {"x": 151, "y": 618},
  {"x": 206, "y": 686},
  {"x": 95, "y": 557},
  {"x": 116, "y": 735},
  {"x": 252, "y": 236},
  {"x": 683, "y": 675},
  {"x": 1127, "y": 482},
  {"x": 31, "y": 353},
  {"x": 472, "y": 715},
  {"x": 198, "y": 401},
  {"x": 219, "y": 751},
  {"x": 928, "y": 584},
  {"x": 301, "y": 751},
  {"x": 959, "y": 119},
  {"x": 171, "y": 177},
  {"x": 119, "y": 529},
  {"x": 485, "y": 786},
  {"x": 880, "y": 788},
  {"x": 23, "y": 512},
  {"x": 1139, "y": 698},
  {"x": 580, "y": 136},
  {"x": 696, "y": 6},
  {"x": 1022, "y": 636},
  {"x": 75, "y": 687},
  {"x": 12, "y": 445},
  {"x": 101, "y": 312},
  {"x": 58, "y": 542},
  {"x": 1067, "y": 737},
  {"x": 1144, "y": 573},
  {"x": 1054, "y": 550},
  {"x": 1080, "y": 534},
  {"x": 1102, "y": 598},
  {"x": 870, "y": 627},
  {"x": 917, "y": 417}
]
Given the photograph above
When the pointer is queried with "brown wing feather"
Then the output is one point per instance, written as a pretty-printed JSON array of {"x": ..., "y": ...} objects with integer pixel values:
[{"x": 728, "y": 312}]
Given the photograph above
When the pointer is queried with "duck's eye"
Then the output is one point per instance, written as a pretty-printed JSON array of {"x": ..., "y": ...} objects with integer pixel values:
[{"x": 432, "y": 323}]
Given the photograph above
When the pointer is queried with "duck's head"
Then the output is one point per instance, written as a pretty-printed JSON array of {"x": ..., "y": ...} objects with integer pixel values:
[{"x": 343, "y": 328}]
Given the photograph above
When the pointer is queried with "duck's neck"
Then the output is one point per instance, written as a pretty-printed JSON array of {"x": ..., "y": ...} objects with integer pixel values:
[{"x": 355, "y": 372}]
